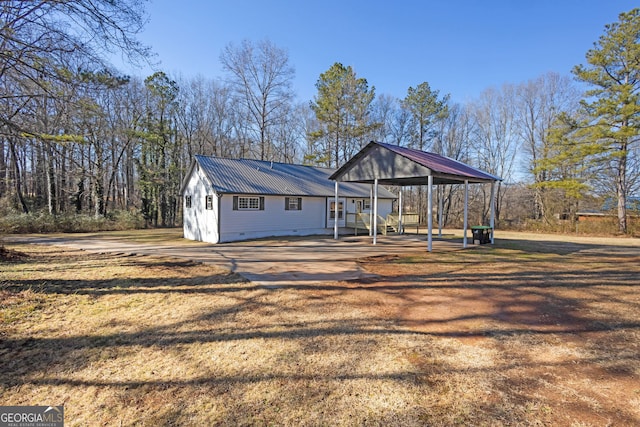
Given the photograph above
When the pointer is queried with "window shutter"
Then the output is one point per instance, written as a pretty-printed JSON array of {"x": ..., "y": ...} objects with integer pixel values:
[
  {"x": 286, "y": 203},
  {"x": 261, "y": 203},
  {"x": 235, "y": 203},
  {"x": 299, "y": 203}
]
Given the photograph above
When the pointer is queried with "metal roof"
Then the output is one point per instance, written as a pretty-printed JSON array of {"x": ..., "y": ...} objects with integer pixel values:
[
  {"x": 443, "y": 169},
  {"x": 440, "y": 163},
  {"x": 246, "y": 176}
]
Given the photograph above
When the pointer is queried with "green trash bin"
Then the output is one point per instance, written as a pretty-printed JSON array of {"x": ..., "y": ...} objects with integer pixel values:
[{"x": 481, "y": 234}]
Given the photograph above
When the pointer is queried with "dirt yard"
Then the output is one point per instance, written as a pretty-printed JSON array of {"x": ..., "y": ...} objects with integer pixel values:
[
  {"x": 552, "y": 335},
  {"x": 526, "y": 333}
]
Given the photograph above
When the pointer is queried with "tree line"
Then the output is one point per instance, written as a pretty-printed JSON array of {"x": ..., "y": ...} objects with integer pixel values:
[{"x": 78, "y": 137}]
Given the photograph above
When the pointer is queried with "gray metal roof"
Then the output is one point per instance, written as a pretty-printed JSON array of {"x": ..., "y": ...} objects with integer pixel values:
[{"x": 246, "y": 176}]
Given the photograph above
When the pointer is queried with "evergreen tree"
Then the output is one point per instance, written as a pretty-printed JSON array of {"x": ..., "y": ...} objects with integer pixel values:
[
  {"x": 612, "y": 105},
  {"x": 342, "y": 108},
  {"x": 567, "y": 166},
  {"x": 158, "y": 161},
  {"x": 426, "y": 109}
]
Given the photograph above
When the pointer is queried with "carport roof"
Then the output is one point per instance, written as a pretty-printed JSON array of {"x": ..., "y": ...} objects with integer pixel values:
[{"x": 395, "y": 165}]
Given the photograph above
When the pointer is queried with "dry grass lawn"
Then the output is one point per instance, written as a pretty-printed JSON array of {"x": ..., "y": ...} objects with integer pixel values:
[{"x": 524, "y": 333}]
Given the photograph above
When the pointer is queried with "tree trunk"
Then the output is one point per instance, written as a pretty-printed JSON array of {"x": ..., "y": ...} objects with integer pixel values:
[
  {"x": 51, "y": 180},
  {"x": 498, "y": 206},
  {"x": 78, "y": 196},
  {"x": 18, "y": 179},
  {"x": 63, "y": 185},
  {"x": 621, "y": 190},
  {"x": 4, "y": 175},
  {"x": 98, "y": 189},
  {"x": 129, "y": 178}
]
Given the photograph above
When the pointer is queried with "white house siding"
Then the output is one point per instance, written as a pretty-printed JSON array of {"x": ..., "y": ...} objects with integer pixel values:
[
  {"x": 200, "y": 223},
  {"x": 274, "y": 220},
  {"x": 385, "y": 206}
]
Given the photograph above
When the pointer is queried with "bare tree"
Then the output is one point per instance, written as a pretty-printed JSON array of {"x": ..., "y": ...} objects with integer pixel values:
[
  {"x": 126, "y": 116},
  {"x": 539, "y": 103},
  {"x": 453, "y": 140},
  {"x": 400, "y": 127},
  {"x": 194, "y": 117},
  {"x": 385, "y": 108},
  {"x": 290, "y": 134},
  {"x": 495, "y": 138},
  {"x": 48, "y": 50},
  {"x": 36, "y": 38},
  {"x": 262, "y": 77}
]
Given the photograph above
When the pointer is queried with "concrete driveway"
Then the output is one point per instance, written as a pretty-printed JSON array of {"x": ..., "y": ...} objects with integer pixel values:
[{"x": 272, "y": 262}]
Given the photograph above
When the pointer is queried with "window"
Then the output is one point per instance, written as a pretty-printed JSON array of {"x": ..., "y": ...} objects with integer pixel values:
[
  {"x": 248, "y": 203},
  {"x": 187, "y": 201},
  {"x": 293, "y": 203},
  {"x": 332, "y": 214},
  {"x": 208, "y": 202},
  {"x": 363, "y": 205}
]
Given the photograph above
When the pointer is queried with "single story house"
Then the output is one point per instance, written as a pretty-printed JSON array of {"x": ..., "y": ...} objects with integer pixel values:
[{"x": 226, "y": 200}]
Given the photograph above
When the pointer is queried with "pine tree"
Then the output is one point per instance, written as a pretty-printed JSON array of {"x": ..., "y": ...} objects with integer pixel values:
[
  {"x": 426, "y": 111},
  {"x": 342, "y": 108},
  {"x": 612, "y": 105}
]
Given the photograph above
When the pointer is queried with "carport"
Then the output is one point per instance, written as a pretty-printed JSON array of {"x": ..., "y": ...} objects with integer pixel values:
[{"x": 386, "y": 164}]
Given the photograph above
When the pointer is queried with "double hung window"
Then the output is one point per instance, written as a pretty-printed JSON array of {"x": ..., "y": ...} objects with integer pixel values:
[
  {"x": 293, "y": 203},
  {"x": 248, "y": 203}
]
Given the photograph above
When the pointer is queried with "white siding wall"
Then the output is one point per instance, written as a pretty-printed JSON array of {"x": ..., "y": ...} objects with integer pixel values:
[
  {"x": 385, "y": 206},
  {"x": 200, "y": 223},
  {"x": 274, "y": 220}
]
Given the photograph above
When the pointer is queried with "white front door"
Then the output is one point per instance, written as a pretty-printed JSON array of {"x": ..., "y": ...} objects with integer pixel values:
[{"x": 331, "y": 212}]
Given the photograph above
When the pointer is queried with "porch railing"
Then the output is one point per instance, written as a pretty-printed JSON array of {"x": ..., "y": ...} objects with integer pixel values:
[
  {"x": 408, "y": 220},
  {"x": 362, "y": 221}
]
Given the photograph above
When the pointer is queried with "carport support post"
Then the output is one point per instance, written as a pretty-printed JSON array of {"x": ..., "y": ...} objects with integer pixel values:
[
  {"x": 375, "y": 210},
  {"x": 371, "y": 211},
  {"x": 466, "y": 212},
  {"x": 400, "y": 230},
  {"x": 335, "y": 214},
  {"x": 493, "y": 210},
  {"x": 430, "y": 212},
  {"x": 440, "y": 208}
]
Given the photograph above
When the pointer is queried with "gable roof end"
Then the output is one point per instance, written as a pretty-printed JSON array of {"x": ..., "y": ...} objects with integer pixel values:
[{"x": 414, "y": 166}]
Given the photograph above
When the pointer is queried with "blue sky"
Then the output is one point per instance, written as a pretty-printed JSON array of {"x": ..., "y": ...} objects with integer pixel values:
[{"x": 458, "y": 47}]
